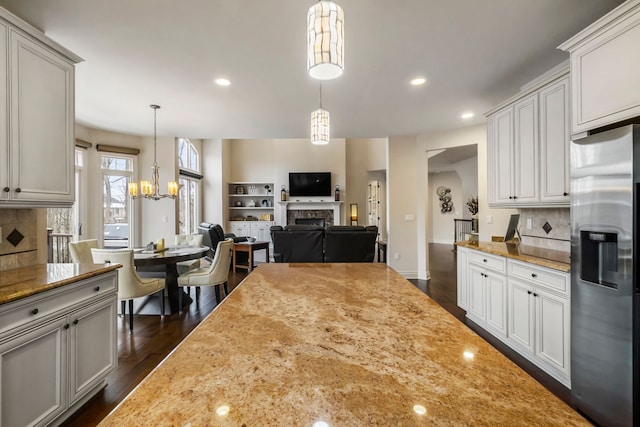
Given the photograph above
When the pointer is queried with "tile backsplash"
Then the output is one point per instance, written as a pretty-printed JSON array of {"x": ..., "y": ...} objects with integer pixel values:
[
  {"x": 25, "y": 252},
  {"x": 555, "y": 219}
]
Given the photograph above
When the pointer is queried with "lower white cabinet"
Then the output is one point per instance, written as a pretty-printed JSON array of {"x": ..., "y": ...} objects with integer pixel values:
[
  {"x": 524, "y": 305},
  {"x": 487, "y": 294},
  {"x": 55, "y": 354},
  {"x": 261, "y": 230}
]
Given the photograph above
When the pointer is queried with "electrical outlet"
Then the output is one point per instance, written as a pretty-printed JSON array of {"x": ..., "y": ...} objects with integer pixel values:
[
  {"x": 489, "y": 219},
  {"x": 165, "y": 218},
  {"x": 529, "y": 224},
  {"x": 396, "y": 255}
]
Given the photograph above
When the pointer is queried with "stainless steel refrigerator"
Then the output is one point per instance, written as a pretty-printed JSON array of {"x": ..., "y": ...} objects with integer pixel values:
[{"x": 605, "y": 293}]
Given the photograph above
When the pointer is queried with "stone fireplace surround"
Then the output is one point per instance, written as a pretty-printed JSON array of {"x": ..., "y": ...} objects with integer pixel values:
[{"x": 329, "y": 211}]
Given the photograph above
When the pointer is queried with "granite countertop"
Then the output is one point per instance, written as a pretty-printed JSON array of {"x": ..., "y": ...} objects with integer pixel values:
[
  {"x": 26, "y": 281},
  {"x": 342, "y": 344},
  {"x": 550, "y": 258}
]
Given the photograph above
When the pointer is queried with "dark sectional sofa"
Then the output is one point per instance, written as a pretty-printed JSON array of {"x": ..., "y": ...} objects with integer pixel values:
[{"x": 311, "y": 243}]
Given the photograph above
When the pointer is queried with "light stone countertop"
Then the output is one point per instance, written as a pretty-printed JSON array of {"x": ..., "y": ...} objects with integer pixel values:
[
  {"x": 345, "y": 344},
  {"x": 26, "y": 281},
  {"x": 550, "y": 258}
]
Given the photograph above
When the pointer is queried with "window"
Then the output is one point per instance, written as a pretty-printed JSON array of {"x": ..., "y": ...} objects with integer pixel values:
[
  {"x": 117, "y": 172},
  {"x": 189, "y": 194}
]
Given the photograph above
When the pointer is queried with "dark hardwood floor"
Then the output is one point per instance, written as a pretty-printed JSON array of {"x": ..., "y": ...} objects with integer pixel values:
[{"x": 154, "y": 337}]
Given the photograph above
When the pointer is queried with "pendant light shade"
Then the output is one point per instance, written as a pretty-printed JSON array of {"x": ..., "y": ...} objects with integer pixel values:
[
  {"x": 320, "y": 127},
  {"x": 325, "y": 40}
]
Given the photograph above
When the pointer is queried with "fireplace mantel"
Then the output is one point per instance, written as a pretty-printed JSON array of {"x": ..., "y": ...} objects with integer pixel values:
[{"x": 311, "y": 205}]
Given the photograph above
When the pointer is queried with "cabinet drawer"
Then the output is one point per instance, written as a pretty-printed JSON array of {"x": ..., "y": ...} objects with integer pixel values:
[
  {"x": 552, "y": 280},
  {"x": 49, "y": 303},
  {"x": 494, "y": 262}
]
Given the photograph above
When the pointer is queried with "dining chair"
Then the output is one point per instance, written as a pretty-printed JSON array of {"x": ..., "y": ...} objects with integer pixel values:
[
  {"x": 81, "y": 250},
  {"x": 214, "y": 275},
  {"x": 188, "y": 240},
  {"x": 130, "y": 285}
]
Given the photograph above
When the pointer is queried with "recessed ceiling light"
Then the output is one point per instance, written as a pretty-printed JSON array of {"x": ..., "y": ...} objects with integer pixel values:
[
  {"x": 467, "y": 115},
  {"x": 418, "y": 81},
  {"x": 223, "y": 82}
]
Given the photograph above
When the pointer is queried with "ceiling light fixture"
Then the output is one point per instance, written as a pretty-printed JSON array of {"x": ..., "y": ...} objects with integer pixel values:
[
  {"x": 150, "y": 189},
  {"x": 320, "y": 125},
  {"x": 222, "y": 82},
  {"x": 418, "y": 81},
  {"x": 467, "y": 115},
  {"x": 325, "y": 40}
]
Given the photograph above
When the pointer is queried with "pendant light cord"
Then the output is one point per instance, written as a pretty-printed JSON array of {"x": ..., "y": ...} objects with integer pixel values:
[
  {"x": 321, "y": 96},
  {"x": 155, "y": 125}
]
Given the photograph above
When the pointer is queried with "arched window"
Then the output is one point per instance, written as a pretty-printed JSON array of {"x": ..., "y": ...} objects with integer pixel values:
[{"x": 189, "y": 194}]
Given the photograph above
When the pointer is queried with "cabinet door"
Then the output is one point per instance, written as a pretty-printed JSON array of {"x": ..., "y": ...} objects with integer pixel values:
[
  {"x": 240, "y": 229},
  {"x": 261, "y": 231},
  {"x": 496, "y": 297},
  {"x": 462, "y": 255},
  {"x": 92, "y": 346},
  {"x": 552, "y": 330},
  {"x": 34, "y": 377},
  {"x": 521, "y": 314},
  {"x": 501, "y": 157},
  {"x": 42, "y": 120},
  {"x": 554, "y": 143},
  {"x": 477, "y": 304},
  {"x": 525, "y": 157},
  {"x": 4, "y": 105}
]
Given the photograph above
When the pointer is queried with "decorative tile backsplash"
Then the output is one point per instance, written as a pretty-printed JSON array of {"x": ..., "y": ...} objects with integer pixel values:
[
  {"x": 19, "y": 246},
  {"x": 555, "y": 220}
]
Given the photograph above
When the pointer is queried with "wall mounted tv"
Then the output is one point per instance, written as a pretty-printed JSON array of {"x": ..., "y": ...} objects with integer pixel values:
[{"x": 306, "y": 184}]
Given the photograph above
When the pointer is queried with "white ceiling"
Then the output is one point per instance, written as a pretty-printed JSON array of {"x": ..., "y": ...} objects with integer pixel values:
[{"x": 474, "y": 53}]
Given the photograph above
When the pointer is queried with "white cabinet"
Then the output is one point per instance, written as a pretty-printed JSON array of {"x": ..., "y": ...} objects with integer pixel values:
[
  {"x": 554, "y": 142},
  {"x": 462, "y": 257},
  {"x": 604, "y": 67},
  {"x": 37, "y": 117},
  {"x": 56, "y": 348},
  {"x": 528, "y": 143},
  {"x": 487, "y": 292},
  {"x": 524, "y": 305},
  {"x": 539, "y": 317},
  {"x": 261, "y": 230}
]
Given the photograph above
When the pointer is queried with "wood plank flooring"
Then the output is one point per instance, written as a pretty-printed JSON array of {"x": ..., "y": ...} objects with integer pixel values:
[{"x": 154, "y": 337}]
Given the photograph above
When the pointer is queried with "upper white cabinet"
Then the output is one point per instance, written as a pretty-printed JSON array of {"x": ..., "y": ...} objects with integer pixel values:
[
  {"x": 605, "y": 83},
  {"x": 37, "y": 117},
  {"x": 528, "y": 146}
]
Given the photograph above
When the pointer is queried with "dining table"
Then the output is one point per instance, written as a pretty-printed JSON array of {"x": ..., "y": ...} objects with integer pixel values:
[{"x": 164, "y": 263}]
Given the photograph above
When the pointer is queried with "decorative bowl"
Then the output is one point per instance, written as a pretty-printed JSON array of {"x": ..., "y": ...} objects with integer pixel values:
[{"x": 251, "y": 239}]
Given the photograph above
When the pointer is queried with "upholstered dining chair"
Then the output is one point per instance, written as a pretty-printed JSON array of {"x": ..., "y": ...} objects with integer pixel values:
[
  {"x": 81, "y": 251},
  {"x": 214, "y": 275},
  {"x": 130, "y": 285},
  {"x": 188, "y": 240}
]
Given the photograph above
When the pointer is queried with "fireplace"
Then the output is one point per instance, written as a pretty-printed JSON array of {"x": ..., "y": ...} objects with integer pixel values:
[
  {"x": 327, "y": 210},
  {"x": 311, "y": 221}
]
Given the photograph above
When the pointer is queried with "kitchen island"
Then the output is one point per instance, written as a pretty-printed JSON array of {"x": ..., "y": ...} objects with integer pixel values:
[{"x": 340, "y": 344}]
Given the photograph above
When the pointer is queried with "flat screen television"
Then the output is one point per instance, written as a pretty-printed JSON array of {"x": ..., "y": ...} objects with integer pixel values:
[{"x": 307, "y": 184}]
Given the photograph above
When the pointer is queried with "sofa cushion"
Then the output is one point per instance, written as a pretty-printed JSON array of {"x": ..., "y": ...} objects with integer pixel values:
[
  {"x": 350, "y": 244},
  {"x": 298, "y": 243}
]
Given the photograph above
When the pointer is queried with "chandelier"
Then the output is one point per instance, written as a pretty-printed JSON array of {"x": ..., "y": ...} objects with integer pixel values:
[
  {"x": 325, "y": 40},
  {"x": 151, "y": 189},
  {"x": 320, "y": 125}
]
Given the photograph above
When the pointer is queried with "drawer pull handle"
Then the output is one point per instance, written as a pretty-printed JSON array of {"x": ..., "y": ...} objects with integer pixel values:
[
  {"x": 75, "y": 322},
  {"x": 97, "y": 288},
  {"x": 34, "y": 311},
  {"x": 534, "y": 275},
  {"x": 18, "y": 190},
  {"x": 529, "y": 292},
  {"x": 484, "y": 260},
  {"x": 535, "y": 295},
  {"x": 565, "y": 194},
  {"x": 6, "y": 189},
  {"x": 66, "y": 326}
]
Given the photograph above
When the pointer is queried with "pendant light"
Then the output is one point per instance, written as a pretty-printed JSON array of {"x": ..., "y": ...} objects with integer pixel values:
[
  {"x": 320, "y": 125},
  {"x": 151, "y": 189},
  {"x": 325, "y": 40}
]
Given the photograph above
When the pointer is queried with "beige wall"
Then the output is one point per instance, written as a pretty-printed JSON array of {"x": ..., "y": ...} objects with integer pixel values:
[{"x": 441, "y": 227}]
